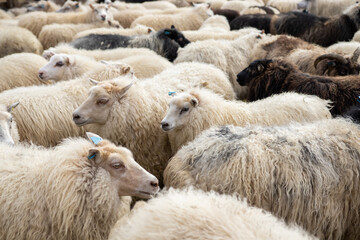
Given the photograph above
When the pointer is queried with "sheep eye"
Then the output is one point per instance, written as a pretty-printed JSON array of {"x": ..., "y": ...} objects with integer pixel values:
[
  {"x": 117, "y": 165},
  {"x": 11, "y": 120},
  {"x": 102, "y": 101},
  {"x": 59, "y": 64},
  {"x": 96, "y": 11},
  {"x": 185, "y": 109}
]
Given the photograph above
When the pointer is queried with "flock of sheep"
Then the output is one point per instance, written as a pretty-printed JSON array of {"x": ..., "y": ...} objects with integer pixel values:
[{"x": 235, "y": 119}]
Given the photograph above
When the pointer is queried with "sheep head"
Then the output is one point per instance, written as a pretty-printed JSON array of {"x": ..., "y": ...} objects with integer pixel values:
[
  {"x": 69, "y": 6},
  {"x": 6, "y": 123},
  {"x": 336, "y": 65},
  {"x": 101, "y": 12},
  {"x": 175, "y": 35},
  {"x": 180, "y": 107},
  {"x": 59, "y": 65},
  {"x": 128, "y": 177},
  {"x": 97, "y": 107},
  {"x": 254, "y": 70}
]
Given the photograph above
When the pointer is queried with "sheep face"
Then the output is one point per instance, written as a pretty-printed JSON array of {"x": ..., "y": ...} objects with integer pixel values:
[
  {"x": 254, "y": 70},
  {"x": 59, "y": 66},
  {"x": 6, "y": 124},
  {"x": 101, "y": 12},
  {"x": 39, "y": 6},
  {"x": 97, "y": 106},
  {"x": 128, "y": 177},
  {"x": 69, "y": 6},
  {"x": 175, "y": 35},
  {"x": 336, "y": 65},
  {"x": 179, "y": 110},
  {"x": 353, "y": 12}
]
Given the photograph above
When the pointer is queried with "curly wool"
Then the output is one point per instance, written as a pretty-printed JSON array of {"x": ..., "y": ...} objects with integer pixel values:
[
  {"x": 56, "y": 194},
  {"x": 193, "y": 214},
  {"x": 306, "y": 174},
  {"x": 279, "y": 109}
]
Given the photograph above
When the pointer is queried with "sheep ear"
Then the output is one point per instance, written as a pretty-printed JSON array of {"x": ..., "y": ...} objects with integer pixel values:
[
  {"x": 93, "y": 81},
  {"x": 70, "y": 60},
  {"x": 91, "y": 6},
  {"x": 126, "y": 69},
  {"x": 150, "y": 30},
  {"x": 94, "y": 155},
  {"x": 48, "y": 54},
  {"x": 94, "y": 138},
  {"x": 12, "y": 106},
  {"x": 77, "y": 5},
  {"x": 173, "y": 27},
  {"x": 260, "y": 67}
]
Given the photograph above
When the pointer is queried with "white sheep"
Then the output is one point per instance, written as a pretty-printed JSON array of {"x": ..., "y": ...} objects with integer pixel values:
[
  {"x": 144, "y": 103},
  {"x": 230, "y": 56},
  {"x": 44, "y": 115},
  {"x": 284, "y": 5},
  {"x": 328, "y": 8},
  {"x": 36, "y": 20},
  {"x": 306, "y": 174},
  {"x": 16, "y": 40},
  {"x": 239, "y": 6},
  {"x": 192, "y": 112},
  {"x": 65, "y": 66},
  {"x": 20, "y": 69},
  {"x": 192, "y": 214},
  {"x": 74, "y": 191},
  {"x": 216, "y": 23},
  {"x": 53, "y": 34},
  {"x": 108, "y": 55},
  {"x": 162, "y": 5},
  {"x": 138, "y": 30},
  {"x": 201, "y": 35},
  {"x": 188, "y": 20},
  {"x": 8, "y": 130}
]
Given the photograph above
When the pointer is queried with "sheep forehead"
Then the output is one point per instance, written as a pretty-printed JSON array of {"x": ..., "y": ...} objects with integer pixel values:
[
  {"x": 100, "y": 90},
  {"x": 181, "y": 100},
  {"x": 4, "y": 115},
  {"x": 58, "y": 57},
  {"x": 100, "y": 6},
  {"x": 111, "y": 152}
]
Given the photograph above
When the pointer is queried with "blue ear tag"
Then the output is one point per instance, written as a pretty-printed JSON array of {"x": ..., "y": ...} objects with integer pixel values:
[
  {"x": 96, "y": 140},
  {"x": 172, "y": 93},
  {"x": 92, "y": 156},
  {"x": 42, "y": 5},
  {"x": 167, "y": 33},
  {"x": 358, "y": 99}
]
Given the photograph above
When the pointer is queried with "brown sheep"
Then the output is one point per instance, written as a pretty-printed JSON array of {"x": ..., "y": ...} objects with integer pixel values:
[
  {"x": 309, "y": 57},
  {"x": 267, "y": 77}
]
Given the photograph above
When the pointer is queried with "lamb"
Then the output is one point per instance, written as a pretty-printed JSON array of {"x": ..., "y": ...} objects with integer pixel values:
[
  {"x": 44, "y": 115},
  {"x": 108, "y": 55},
  {"x": 109, "y": 100},
  {"x": 267, "y": 77},
  {"x": 75, "y": 191},
  {"x": 189, "y": 20},
  {"x": 229, "y": 56},
  {"x": 306, "y": 174},
  {"x": 65, "y": 66},
  {"x": 17, "y": 40},
  {"x": 192, "y": 214},
  {"x": 35, "y": 21},
  {"x": 8, "y": 130},
  {"x": 20, "y": 69},
  {"x": 192, "y": 112},
  {"x": 53, "y": 34},
  {"x": 309, "y": 57},
  {"x": 160, "y": 42}
]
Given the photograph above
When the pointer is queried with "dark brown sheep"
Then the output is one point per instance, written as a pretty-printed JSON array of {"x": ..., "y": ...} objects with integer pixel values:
[
  {"x": 267, "y": 77},
  {"x": 311, "y": 58},
  {"x": 311, "y": 28}
]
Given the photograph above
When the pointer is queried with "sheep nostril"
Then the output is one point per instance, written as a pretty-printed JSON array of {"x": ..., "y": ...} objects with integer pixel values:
[
  {"x": 76, "y": 116},
  {"x": 41, "y": 75},
  {"x": 164, "y": 125},
  {"x": 154, "y": 183},
  {"x": 103, "y": 17}
]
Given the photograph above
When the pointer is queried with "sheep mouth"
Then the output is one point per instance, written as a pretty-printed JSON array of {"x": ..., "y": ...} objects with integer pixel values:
[
  {"x": 167, "y": 128},
  {"x": 81, "y": 123},
  {"x": 145, "y": 195}
]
